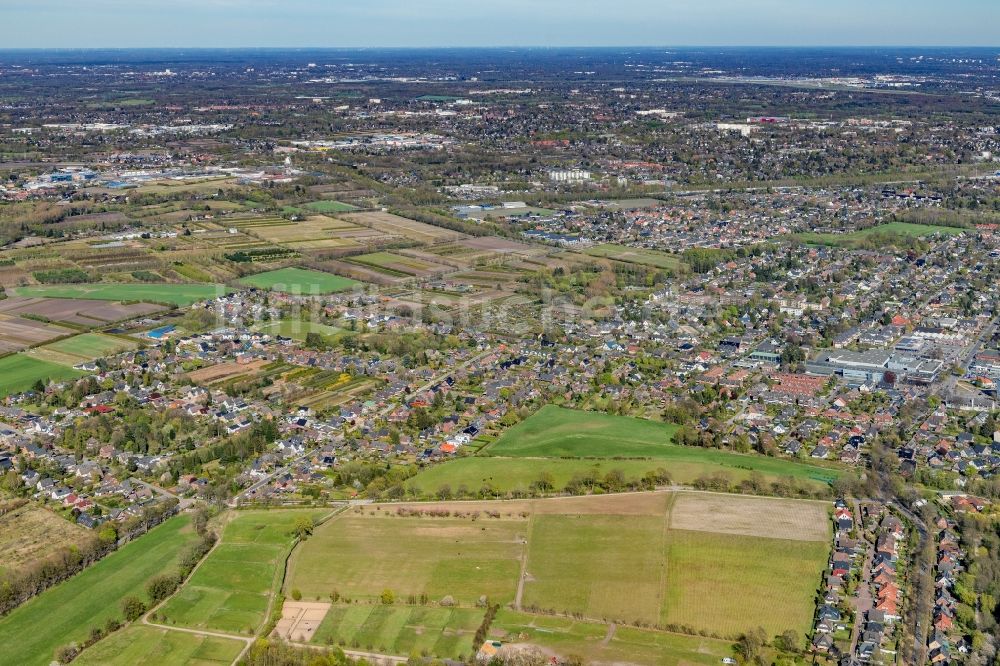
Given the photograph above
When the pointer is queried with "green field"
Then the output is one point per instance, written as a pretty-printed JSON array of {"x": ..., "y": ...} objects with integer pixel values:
[
  {"x": 327, "y": 206},
  {"x": 635, "y": 255},
  {"x": 775, "y": 581},
  {"x": 180, "y": 295},
  {"x": 391, "y": 263},
  {"x": 139, "y": 644},
  {"x": 851, "y": 239},
  {"x": 67, "y": 612},
  {"x": 230, "y": 590},
  {"x": 600, "y": 566},
  {"x": 627, "y": 645},
  {"x": 300, "y": 281},
  {"x": 82, "y": 348},
  {"x": 402, "y": 630},
  {"x": 554, "y": 432},
  {"x": 708, "y": 562},
  {"x": 297, "y": 329},
  {"x": 685, "y": 466},
  {"x": 463, "y": 559},
  {"x": 19, "y": 372}
]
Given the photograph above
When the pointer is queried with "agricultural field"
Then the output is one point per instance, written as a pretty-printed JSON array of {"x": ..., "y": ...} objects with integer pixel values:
[
  {"x": 394, "y": 225},
  {"x": 329, "y": 206},
  {"x": 181, "y": 295},
  {"x": 436, "y": 556},
  {"x": 17, "y": 333},
  {"x": 143, "y": 644},
  {"x": 855, "y": 238},
  {"x": 398, "y": 265},
  {"x": 300, "y": 281},
  {"x": 596, "y": 642},
  {"x": 313, "y": 233},
  {"x": 82, "y": 348},
  {"x": 635, "y": 255},
  {"x": 402, "y": 630},
  {"x": 31, "y": 531},
  {"x": 230, "y": 590},
  {"x": 195, "y": 186},
  {"x": 320, "y": 389},
  {"x": 69, "y": 610},
  {"x": 593, "y": 560},
  {"x": 221, "y": 372},
  {"x": 74, "y": 312},
  {"x": 20, "y": 372}
]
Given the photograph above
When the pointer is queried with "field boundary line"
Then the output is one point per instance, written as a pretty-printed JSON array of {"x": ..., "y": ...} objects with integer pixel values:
[{"x": 518, "y": 596}]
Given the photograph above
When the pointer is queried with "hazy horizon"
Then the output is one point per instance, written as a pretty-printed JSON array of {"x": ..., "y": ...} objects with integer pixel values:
[{"x": 47, "y": 24}]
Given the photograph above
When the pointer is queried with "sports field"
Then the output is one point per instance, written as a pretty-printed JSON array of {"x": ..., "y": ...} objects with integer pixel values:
[
  {"x": 640, "y": 558},
  {"x": 230, "y": 590},
  {"x": 68, "y": 611},
  {"x": 300, "y": 281},
  {"x": 635, "y": 255},
  {"x": 82, "y": 348},
  {"x": 20, "y": 372},
  {"x": 180, "y": 295},
  {"x": 139, "y": 644}
]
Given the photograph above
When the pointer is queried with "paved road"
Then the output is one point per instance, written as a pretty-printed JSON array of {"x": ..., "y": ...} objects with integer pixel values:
[
  {"x": 863, "y": 599},
  {"x": 183, "y": 502}
]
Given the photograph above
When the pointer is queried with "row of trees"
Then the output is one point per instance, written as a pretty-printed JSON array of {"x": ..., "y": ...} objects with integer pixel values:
[{"x": 158, "y": 588}]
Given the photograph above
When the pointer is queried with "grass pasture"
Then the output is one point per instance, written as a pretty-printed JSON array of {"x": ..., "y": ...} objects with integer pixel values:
[
  {"x": 557, "y": 432},
  {"x": 230, "y": 590},
  {"x": 82, "y": 348},
  {"x": 437, "y": 557},
  {"x": 402, "y": 630},
  {"x": 599, "y": 559},
  {"x": 142, "y": 644},
  {"x": 31, "y": 532},
  {"x": 20, "y": 372},
  {"x": 329, "y": 206},
  {"x": 626, "y": 645},
  {"x": 601, "y": 566},
  {"x": 685, "y": 465},
  {"x": 69, "y": 610},
  {"x": 181, "y": 295},
  {"x": 635, "y": 255},
  {"x": 300, "y": 281},
  {"x": 855, "y": 238},
  {"x": 298, "y": 329},
  {"x": 731, "y": 583}
]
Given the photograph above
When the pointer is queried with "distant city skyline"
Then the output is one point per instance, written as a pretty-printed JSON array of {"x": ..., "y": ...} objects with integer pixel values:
[{"x": 460, "y": 23}]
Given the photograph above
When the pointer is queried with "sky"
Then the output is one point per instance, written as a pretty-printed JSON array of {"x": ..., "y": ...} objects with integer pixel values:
[{"x": 429, "y": 23}]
